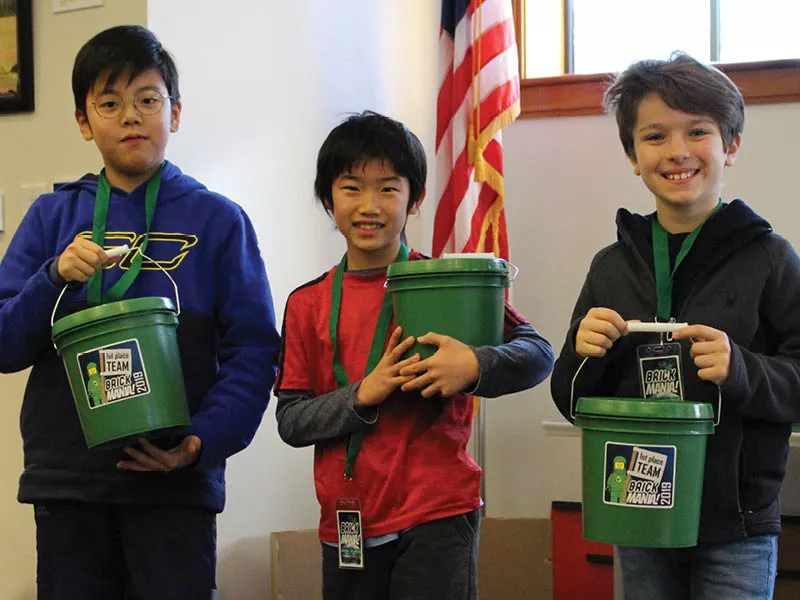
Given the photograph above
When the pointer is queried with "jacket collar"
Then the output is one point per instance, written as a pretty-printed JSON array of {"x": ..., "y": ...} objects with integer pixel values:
[{"x": 724, "y": 233}]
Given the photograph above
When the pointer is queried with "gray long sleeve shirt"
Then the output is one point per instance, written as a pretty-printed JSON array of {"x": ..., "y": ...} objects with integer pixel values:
[{"x": 523, "y": 360}]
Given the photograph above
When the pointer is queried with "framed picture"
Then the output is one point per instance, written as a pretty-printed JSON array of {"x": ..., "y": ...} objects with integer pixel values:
[{"x": 16, "y": 56}]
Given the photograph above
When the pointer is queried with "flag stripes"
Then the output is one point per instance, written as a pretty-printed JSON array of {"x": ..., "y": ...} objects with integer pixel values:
[{"x": 478, "y": 96}]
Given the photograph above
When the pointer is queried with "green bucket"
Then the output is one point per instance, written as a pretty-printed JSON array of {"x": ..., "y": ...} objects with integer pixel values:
[
  {"x": 643, "y": 464},
  {"x": 460, "y": 297},
  {"x": 124, "y": 370}
]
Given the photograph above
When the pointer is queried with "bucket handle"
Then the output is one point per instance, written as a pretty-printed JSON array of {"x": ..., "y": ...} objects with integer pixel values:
[
  {"x": 573, "y": 403},
  {"x": 121, "y": 252},
  {"x": 516, "y": 270}
]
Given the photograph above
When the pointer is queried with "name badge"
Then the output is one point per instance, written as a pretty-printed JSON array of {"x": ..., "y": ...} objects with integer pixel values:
[
  {"x": 660, "y": 371},
  {"x": 351, "y": 538}
]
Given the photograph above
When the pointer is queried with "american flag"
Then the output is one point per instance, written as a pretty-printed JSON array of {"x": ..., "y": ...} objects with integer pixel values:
[{"x": 479, "y": 95}]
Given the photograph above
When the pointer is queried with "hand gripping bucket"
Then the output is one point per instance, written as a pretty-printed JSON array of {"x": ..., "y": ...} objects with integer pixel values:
[
  {"x": 124, "y": 369},
  {"x": 643, "y": 465},
  {"x": 462, "y": 296}
]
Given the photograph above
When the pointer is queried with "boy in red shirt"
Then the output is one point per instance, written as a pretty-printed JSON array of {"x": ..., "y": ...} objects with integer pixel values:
[{"x": 398, "y": 491}]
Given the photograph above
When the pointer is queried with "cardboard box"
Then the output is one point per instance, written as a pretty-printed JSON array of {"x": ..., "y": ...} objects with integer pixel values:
[
  {"x": 296, "y": 559},
  {"x": 514, "y": 562},
  {"x": 789, "y": 544},
  {"x": 787, "y": 589},
  {"x": 787, "y": 585}
]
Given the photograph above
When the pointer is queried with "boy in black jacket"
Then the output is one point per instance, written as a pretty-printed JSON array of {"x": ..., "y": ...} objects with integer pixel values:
[{"x": 720, "y": 268}]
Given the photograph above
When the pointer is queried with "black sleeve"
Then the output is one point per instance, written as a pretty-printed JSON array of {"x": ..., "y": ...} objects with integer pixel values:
[{"x": 523, "y": 360}]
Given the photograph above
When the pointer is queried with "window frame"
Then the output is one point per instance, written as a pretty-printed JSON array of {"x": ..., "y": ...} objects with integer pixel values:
[{"x": 764, "y": 82}]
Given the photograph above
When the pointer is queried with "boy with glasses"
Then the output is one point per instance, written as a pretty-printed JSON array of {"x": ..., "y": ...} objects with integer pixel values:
[{"x": 138, "y": 523}]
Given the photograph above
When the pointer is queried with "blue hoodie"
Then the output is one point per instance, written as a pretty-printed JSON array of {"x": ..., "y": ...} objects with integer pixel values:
[{"x": 227, "y": 337}]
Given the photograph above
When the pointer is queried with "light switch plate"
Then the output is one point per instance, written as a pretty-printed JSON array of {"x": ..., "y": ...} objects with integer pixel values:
[{"x": 65, "y": 5}]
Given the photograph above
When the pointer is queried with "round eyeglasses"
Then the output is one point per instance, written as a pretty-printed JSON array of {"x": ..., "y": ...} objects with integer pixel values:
[{"x": 146, "y": 102}]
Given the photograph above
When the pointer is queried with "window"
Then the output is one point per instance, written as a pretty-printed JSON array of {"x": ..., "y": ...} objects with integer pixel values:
[{"x": 727, "y": 32}]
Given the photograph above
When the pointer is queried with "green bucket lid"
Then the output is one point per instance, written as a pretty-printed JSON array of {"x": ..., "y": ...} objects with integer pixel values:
[
  {"x": 444, "y": 266},
  {"x": 110, "y": 311},
  {"x": 637, "y": 408}
]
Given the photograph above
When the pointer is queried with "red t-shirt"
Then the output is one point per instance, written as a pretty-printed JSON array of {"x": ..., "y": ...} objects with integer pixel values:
[{"x": 413, "y": 466}]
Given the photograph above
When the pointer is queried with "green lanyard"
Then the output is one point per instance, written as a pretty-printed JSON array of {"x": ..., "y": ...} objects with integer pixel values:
[
  {"x": 664, "y": 276},
  {"x": 94, "y": 291},
  {"x": 375, "y": 351}
]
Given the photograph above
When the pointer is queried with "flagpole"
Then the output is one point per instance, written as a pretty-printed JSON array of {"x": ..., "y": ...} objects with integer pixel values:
[
  {"x": 478, "y": 96},
  {"x": 479, "y": 435}
]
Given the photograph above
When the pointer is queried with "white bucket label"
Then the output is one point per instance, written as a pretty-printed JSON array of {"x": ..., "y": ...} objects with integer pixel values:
[
  {"x": 642, "y": 476},
  {"x": 113, "y": 373}
]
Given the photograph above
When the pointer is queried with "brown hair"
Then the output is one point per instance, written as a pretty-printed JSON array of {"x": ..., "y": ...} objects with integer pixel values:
[{"x": 684, "y": 84}]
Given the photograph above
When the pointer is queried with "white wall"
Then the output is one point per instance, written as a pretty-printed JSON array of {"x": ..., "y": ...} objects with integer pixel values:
[
  {"x": 40, "y": 147},
  {"x": 263, "y": 83}
]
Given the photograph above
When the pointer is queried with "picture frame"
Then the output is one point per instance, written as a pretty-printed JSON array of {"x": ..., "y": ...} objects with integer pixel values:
[{"x": 16, "y": 56}]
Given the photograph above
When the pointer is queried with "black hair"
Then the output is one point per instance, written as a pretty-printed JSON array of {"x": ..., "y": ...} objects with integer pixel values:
[
  {"x": 131, "y": 49},
  {"x": 684, "y": 84},
  {"x": 364, "y": 137}
]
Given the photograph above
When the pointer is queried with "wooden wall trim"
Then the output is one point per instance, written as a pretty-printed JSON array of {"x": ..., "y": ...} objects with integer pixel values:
[{"x": 572, "y": 95}]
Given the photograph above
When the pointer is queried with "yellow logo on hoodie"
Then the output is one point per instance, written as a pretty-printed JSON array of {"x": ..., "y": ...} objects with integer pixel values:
[{"x": 161, "y": 243}]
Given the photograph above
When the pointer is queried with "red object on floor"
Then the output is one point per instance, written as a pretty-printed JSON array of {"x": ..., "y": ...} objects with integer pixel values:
[{"x": 581, "y": 570}]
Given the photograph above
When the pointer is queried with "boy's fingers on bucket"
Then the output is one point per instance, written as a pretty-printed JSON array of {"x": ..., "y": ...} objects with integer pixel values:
[
  {"x": 432, "y": 390},
  {"x": 605, "y": 329},
  {"x": 700, "y": 347},
  {"x": 72, "y": 273},
  {"x": 395, "y": 346},
  {"x": 124, "y": 465},
  {"x": 394, "y": 356},
  {"x": 181, "y": 455},
  {"x": 401, "y": 380},
  {"x": 418, "y": 382},
  {"x": 717, "y": 374},
  {"x": 191, "y": 444},
  {"x": 79, "y": 266},
  {"x": 92, "y": 255},
  {"x": 153, "y": 458},
  {"x": 415, "y": 366},
  {"x": 589, "y": 350},
  {"x": 394, "y": 339},
  {"x": 701, "y": 333},
  {"x": 403, "y": 346},
  {"x": 606, "y": 316},
  {"x": 600, "y": 339},
  {"x": 142, "y": 461},
  {"x": 406, "y": 367},
  {"x": 592, "y": 344},
  {"x": 435, "y": 339},
  {"x": 704, "y": 361},
  {"x": 187, "y": 452}
]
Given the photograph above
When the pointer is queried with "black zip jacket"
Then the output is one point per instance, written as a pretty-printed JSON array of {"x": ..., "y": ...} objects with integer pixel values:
[{"x": 740, "y": 278}]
